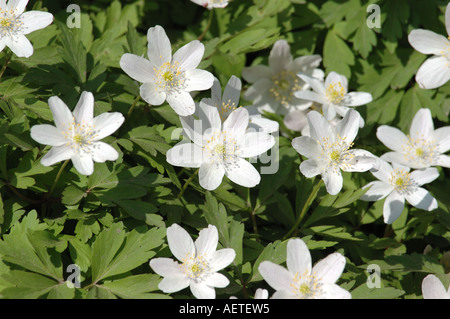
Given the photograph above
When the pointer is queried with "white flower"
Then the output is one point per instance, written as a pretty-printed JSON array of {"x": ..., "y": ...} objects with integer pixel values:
[
  {"x": 77, "y": 135},
  {"x": 435, "y": 71},
  {"x": 396, "y": 183},
  {"x": 230, "y": 101},
  {"x": 333, "y": 95},
  {"x": 166, "y": 77},
  {"x": 273, "y": 86},
  {"x": 301, "y": 280},
  {"x": 200, "y": 263},
  {"x": 219, "y": 149},
  {"x": 260, "y": 293},
  {"x": 423, "y": 147},
  {"x": 210, "y": 4},
  {"x": 15, "y": 24},
  {"x": 433, "y": 288},
  {"x": 328, "y": 150}
]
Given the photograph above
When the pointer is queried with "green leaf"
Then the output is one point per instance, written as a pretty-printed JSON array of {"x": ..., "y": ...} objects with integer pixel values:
[
  {"x": 274, "y": 252},
  {"x": 337, "y": 56},
  {"x": 136, "y": 287},
  {"x": 364, "y": 292}
]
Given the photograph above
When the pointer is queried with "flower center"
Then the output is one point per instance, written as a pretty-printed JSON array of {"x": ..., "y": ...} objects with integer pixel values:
[
  {"x": 285, "y": 84},
  {"x": 336, "y": 154},
  {"x": 170, "y": 77},
  {"x": 306, "y": 286},
  {"x": 335, "y": 92},
  {"x": 222, "y": 149},
  {"x": 401, "y": 180},
  {"x": 226, "y": 109},
  {"x": 196, "y": 268},
  {"x": 9, "y": 23},
  {"x": 80, "y": 136},
  {"x": 420, "y": 152}
]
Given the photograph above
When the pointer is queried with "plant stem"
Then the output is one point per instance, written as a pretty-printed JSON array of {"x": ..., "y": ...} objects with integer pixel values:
[
  {"x": 186, "y": 184},
  {"x": 133, "y": 105},
  {"x": 57, "y": 178},
  {"x": 8, "y": 59},
  {"x": 208, "y": 25},
  {"x": 252, "y": 211},
  {"x": 293, "y": 231}
]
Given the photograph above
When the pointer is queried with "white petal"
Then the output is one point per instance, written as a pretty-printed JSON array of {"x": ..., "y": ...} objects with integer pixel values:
[
  {"x": 383, "y": 173},
  {"x": 261, "y": 293},
  {"x": 62, "y": 116},
  {"x": 236, "y": 124},
  {"x": 152, "y": 94},
  {"x": 319, "y": 128},
  {"x": 107, "y": 123},
  {"x": 357, "y": 98},
  {"x": 207, "y": 241},
  {"x": 232, "y": 92},
  {"x": 166, "y": 267},
  {"x": 305, "y": 63},
  {"x": 102, "y": 152},
  {"x": 84, "y": 110},
  {"x": 255, "y": 143},
  {"x": 422, "y": 126},
  {"x": 361, "y": 162},
  {"x": 442, "y": 138},
  {"x": 257, "y": 89},
  {"x": 334, "y": 78},
  {"x": 174, "y": 283},
  {"x": 261, "y": 124},
  {"x": 433, "y": 73},
  {"x": 332, "y": 291},
  {"x": 378, "y": 190},
  {"x": 427, "y": 42},
  {"x": 217, "y": 280},
  {"x": 307, "y": 146},
  {"x": 198, "y": 80},
  {"x": 298, "y": 258},
  {"x": 310, "y": 168},
  {"x": 284, "y": 294},
  {"x": 35, "y": 20},
  {"x": 280, "y": 56},
  {"x": 311, "y": 96},
  {"x": 17, "y": 5},
  {"x": 137, "y": 68},
  {"x": 295, "y": 120},
  {"x": 222, "y": 258},
  {"x": 398, "y": 158},
  {"x": 83, "y": 163},
  {"x": 190, "y": 55},
  {"x": 424, "y": 176},
  {"x": 202, "y": 291},
  {"x": 254, "y": 73},
  {"x": 57, "y": 154},
  {"x": 348, "y": 127},
  {"x": 422, "y": 199},
  {"x": 210, "y": 175},
  {"x": 433, "y": 288},
  {"x": 180, "y": 242},
  {"x": 185, "y": 155},
  {"x": 47, "y": 134},
  {"x": 243, "y": 173},
  {"x": 208, "y": 123},
  {"x": 333, "y": 181},
  {"x": 393, "y": 207},
  {"x": 392, "y": 137},
  {"x": 278, "y": 277},
  {"x": 20, "y": 46},
  {"x": 443, "y": 160},
  {"x": 182, "y": 103},
  {"x": 159, "y": 47},
  {"x": 329, "y": 269},
  {"x": 315, "y": 84}
]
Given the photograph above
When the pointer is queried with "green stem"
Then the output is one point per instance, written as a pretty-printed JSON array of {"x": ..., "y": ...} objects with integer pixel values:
[
  {"x": 208, "y": 25},
  {"x": 8, "y": 59},
  {"x": 57, "y": 178},
  {"x": 186, "y": 184},
  {"x": 252, "y": 211},
  {"x": 133, "y": 105},
  {"x": 293, "y": 231}
]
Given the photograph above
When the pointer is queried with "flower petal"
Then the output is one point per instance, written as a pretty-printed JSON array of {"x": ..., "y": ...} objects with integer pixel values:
[
  {"x": 20, "y": 46},
  {"x": 18, "y": 6},
  {"x": 315, "y": 84},
  {"x": 182, "y": 103},
  {"x": 443, "y": 160},
  {"x": 307, "y": 146},
  {"x": 83, "y": 163},
  {"x": 362, "y": 161},
  {"x": 334, "y": 78},
  {"x": 207, "y": 241},
  {"x": 255, "y": 143},
  {"x": 427, "y": 42},
  {"x": 433, "y": 73},
  {"x": 296, "y": 120},
  {"x": 329, "y": 269},
  {"x": 393, "y": 207},
  {"x": 198, "y": 80},
  {"x": 190, "y": 55},
  {"x": 257, "y": 89},
  {"x": 422, "y": 199},
  {"x": 442, "y": 138},
  {"x": 357, "y": 98},
  {"x": 278, "y": 277},
  {"x": 202, "y": 291},
  {"x": 236, "y": 124},
  {"x": 84, "y": 110},
  {"x": 107, "y": 123},
  {"x": 422, "y": 126},
  {"x": 424, "y": 176},
  {"x": 57, "y": 154},
  {"x": 102, "y": 152},
  {"x": 47, "y": 134},
  {"x": 310, "y": 168},
  {"x": 159, "y": 47},
  {"x": 333, "y": 181},
  {"x": 222, "y": 258},
  {"x": 166, "y": 267},
  {"x": 180, "y": 242},
  {"x": 348, "y": 127},
  {"x": 152, "y": 94},
  {"x": 254, "y": 73},
  {"x": 185, "y": 155},
  {"x": 311, "y": 96},
  {"x": 210, "y": 175},
  {"x": 332, "y": 291},
  {"x": 62, "y": 116},
  {"x": 280, "y": 56},
  {"x": 217, "y": 280},
  {"x": 298, "y": 257},
  {"x": 35, "y": 20},
  {"x": 243, "y": 173},
  {"x": 174, "y": 283},
  {"x": 319, "y": 128},
  {"x": 432, "y": 287},
  {"x": 232, "y": 91},
  {"x": 137, "y": 68},
  {"x": 392, "y": 137},
  {"x": 378, "y": 190}
]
